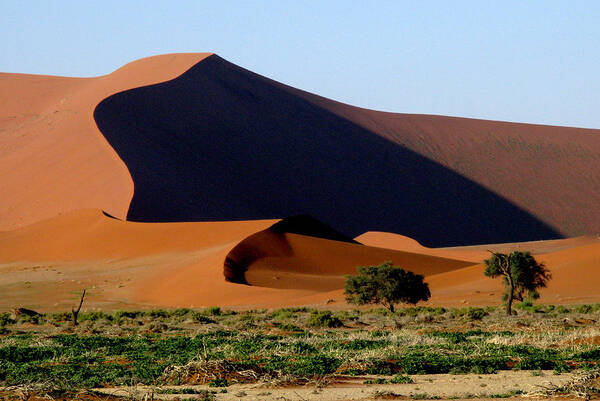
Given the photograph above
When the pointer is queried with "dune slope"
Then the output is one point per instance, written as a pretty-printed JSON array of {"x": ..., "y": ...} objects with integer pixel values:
[
  {"x": 550, "y": 171},
  {"x": 278, "y": 259},
  {"x": 222, "y": 143},
  {"x": 53, "y": 159}
]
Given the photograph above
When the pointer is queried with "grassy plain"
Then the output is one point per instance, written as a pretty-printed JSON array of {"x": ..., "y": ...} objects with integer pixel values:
[{"x": 224, "y": 354}]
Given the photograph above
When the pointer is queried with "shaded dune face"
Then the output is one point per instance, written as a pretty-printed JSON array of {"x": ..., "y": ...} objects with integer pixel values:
[
  {"x": 222, "y": 143},
  {"x": 272, "y": 243}
]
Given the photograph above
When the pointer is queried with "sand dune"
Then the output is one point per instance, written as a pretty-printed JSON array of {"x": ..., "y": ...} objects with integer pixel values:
[
  {"x": 53, "y": 159},
  {"x": 226, "y": 153},
  {"x": 133, "y": 265},
  {"x": 124, "y": 264},
  {"x": 403, "y": 243},
  {"x": 550, "y": 172},
  {"x": 299, "y": 155},
  {"x": 91, "y": 234},
  {"x": 201, "y": 139},
  {"x": 575, "y": 278},
  {"x": 472, "y": 253},
  {"x": 278, "y": 259}
]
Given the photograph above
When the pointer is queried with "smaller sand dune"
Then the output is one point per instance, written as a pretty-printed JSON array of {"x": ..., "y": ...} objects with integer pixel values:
[
  {"x": 407, "y": 244},
  {"x": 137, "y": 265},
  {"x": 276, "y": 259},
  {"x": 473, "y": 253}
]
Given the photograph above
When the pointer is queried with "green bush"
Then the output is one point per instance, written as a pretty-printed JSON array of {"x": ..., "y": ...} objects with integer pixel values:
[
  {"x": 473, "y": 313},
  {"x": 214, "y": 311},
  {"x": 324, "y": 319},
  {"x": 5, "y": 319},
  {"x": 200, "y": 318},
  {"x": 219, "y": 382},
  {"x": 61, "y": 317}
]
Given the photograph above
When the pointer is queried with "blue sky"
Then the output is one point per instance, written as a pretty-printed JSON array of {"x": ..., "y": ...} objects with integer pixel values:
[{"x": 528, "y": 61}]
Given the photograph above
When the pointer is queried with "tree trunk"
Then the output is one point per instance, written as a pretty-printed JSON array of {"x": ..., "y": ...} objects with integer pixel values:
[
  {"x": 75, "y": 312},
  {"x": 511, "y": 295}
]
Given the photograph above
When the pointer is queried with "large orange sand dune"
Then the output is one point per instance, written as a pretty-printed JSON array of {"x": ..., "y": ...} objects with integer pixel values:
[
  {"x": 201, "y": 139},
  {"x": 195, "y": 139}
]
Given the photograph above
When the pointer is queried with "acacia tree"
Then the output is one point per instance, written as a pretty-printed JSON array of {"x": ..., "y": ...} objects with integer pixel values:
[
  {"x": 522, "y": 275},
  {"x": 386, "y": 285}
]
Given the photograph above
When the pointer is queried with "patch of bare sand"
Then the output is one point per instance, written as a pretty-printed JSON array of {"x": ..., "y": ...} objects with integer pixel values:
[{"x": 444, "y": 386}]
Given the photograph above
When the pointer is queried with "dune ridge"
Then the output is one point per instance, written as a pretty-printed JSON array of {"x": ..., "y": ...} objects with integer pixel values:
[
  {"x": 549, "y": 171},
  {"x": 53, "y": 159},
  {"x": 222, "y": 143}
]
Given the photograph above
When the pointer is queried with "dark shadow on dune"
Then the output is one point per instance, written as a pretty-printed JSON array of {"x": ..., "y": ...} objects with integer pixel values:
[
  {"x": 308, "y": 225},
  {"x": 109, "y": 215},
  {"x": 222, "y": 143},
  {"x": 272, "y": 242},
  {"x": 257, "y": 246}
]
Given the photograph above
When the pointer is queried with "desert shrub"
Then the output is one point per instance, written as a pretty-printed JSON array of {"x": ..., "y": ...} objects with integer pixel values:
[
  {"x": 61, "y": 317},
  {"x": 561, "y": 309},
  {"x": 586, "y": 308},
  {"x": 32, "y": 319},
  {"x": 324, "y": 319},
  {"x": 414, "y": 311},
  {"x": 349, "y": 315},
  {"x": 473, "y": 313},
  {"x": 213, "y": 311},
  {"x": 247, "y": 317},
  {"x": 218, "y": 382},
  {"x": 181, "y": 312},
  {"x": 288, "y": 327},
  {"x": 6, "y": 319},
  {"x": 158, "y": 313},
  {"x": 282, "y": 314},
  {"x": 198, "y": 317},
  {"x": 124, "y": 314},
  {"x": 314, "y": 365}
]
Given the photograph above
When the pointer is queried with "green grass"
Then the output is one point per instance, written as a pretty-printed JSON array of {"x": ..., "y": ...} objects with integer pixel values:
[{"x": 119, "y": 348}]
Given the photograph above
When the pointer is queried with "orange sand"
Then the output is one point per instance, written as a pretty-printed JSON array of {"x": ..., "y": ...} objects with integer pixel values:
[
  {"x": 58, "y": 173},
  {"x": 53, "y": 158},
  {"x": 133, "y": 265}
]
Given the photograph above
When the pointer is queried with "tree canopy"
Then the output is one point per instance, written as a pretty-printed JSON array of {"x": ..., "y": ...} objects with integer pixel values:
[
  {"x": 522, "y": 275},
  {"x": 386, "y": 285}
]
